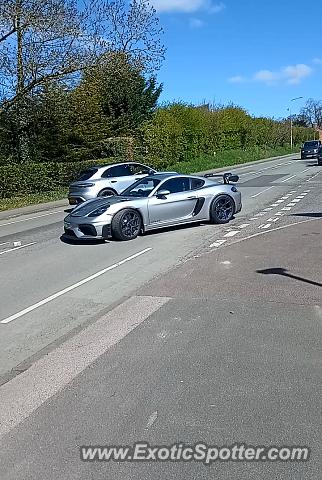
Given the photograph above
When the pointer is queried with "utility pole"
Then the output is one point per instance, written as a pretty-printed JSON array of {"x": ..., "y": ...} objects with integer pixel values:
[{"x": 291, "y": 118}]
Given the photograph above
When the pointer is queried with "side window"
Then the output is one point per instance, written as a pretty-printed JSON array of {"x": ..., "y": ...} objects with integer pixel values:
[
  {"x": 176, "y": 185},
  {"x": 196, "y": 183},
  {"x": 117, "y": 171},
  {"x": 138, "y": 169}
]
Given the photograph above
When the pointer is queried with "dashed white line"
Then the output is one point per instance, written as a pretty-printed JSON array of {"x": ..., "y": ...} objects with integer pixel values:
[
  {"x": 17, "y": 248},
  {"x": 286, "y": 209},
  {"x": 265, "y": 226},
  {"x": 72, "y": 287},
  {"x": 289, "y": 178},
  {"x": 218, "y": 243},
  {"x": 244, "y": 225},
  {"x": 5, "y": 243},
  {"x": 231, "y": 234},
  {"x": 291, "y": 204}
]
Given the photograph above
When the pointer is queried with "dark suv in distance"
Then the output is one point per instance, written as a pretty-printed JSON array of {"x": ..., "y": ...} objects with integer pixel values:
[
  {"x": 320, "y": 155},
  {"x": 310, "y": 149}
]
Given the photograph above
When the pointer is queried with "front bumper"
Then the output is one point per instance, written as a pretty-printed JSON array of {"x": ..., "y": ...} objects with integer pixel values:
[
  {"x": 309, "y": 155},
  {"x": 87, "y": 231}
]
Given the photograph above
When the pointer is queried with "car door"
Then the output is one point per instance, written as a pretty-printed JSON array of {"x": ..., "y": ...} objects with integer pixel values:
[
  {"x": 176, "y": 207},
  {"x": 119, "y": 176}
]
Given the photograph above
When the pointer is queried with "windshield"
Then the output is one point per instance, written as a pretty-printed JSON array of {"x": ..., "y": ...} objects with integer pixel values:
[
  {"x": 142, "y": 188},
  {"x": 87, "y": 174},
  {"x": 311, "y": 144}
]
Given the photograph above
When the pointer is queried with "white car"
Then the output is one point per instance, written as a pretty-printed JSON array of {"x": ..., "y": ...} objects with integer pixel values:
[{"x": 106, "y": 181}]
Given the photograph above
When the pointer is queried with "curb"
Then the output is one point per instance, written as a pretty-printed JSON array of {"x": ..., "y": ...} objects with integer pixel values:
[{"x": 30, "y": 209}]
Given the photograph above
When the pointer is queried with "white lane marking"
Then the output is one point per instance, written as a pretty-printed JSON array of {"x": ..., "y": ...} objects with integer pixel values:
[
  {"x": 218, "y": 243},
  {"x": 17, "y": 248},
  {"x": 244, "y": 225},
  {"x": 300, "y": 197},
  {"x": 279, "y": 213},
  {"x": 280, "y": 201},
  {"x": 296, "y": 200},
  {"x": 265, "y": 226},
  {"x": 4, "y": 243},
  {"x": 289, "y": 178},
  {"x": 226, "y": 262},
  {"x": 311, "y": 178},
  {"x": 231, "y": 234},
  {"x": 286, "y": 209},
  {"x": 152, "y": 419},
  {"x": 254, "y": 218},
  {"x": 263, "y": 191},
  {"x": 274, "y": 205},
  {"x": 51, "y": 373},
  {"x": 72, "y": 287},
  {"x": 291, "y": 204},
  {"x": 273, "y": 219},
  {"x": 286, "y": 197},
  {"x": 271, "y": 230},
  {"x": 30, "y": 218},
  {"x": 268, "y": 209}
]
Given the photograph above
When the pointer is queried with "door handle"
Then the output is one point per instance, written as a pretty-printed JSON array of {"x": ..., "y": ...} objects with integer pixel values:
[
  {"x": 192, "y": 198},
  {"x": 113, "y": 181}
]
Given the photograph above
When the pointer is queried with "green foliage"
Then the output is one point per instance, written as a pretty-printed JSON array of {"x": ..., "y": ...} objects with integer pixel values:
[{"x": 33, "y": 178}]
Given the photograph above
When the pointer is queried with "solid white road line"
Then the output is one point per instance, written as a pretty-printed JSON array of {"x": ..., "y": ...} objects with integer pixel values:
[
  {"x": 231, "y": 234},
  {"x": 263, "y": 191},
  {"x": 17, "y": 248},
  {"x": 30, "y": 218},
  {"x": 72, "y": 287},
  {"x": 4, "y": 243},
  {"x": 51, "y": 373}
]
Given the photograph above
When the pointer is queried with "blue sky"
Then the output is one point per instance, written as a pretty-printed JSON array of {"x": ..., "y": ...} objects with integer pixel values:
[{"x": 257, "y": 54}]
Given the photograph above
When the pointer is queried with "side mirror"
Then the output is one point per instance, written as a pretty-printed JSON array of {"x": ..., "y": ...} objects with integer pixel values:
[
  {"x": 162, "y": 194},
  {"x": 233, "y": 178}
]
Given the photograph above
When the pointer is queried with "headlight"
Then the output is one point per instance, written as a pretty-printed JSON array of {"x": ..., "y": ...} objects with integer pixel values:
[{"x": 99, "y": 211}]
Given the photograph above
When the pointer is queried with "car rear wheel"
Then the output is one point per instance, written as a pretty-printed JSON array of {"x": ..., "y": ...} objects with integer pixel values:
[
  {"x": 107, "y": 192},
  {"x": 222, "y": 209},
  {"x": 126, "y": 224}
]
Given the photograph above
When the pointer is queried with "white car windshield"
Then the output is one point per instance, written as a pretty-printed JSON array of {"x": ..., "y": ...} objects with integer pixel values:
[{"x": 142, "y": 188}]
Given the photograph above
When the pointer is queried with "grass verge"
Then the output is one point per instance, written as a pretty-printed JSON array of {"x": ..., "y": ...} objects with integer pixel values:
[
  {"x": 32, "y": 199},
  {"x": 221, "y": 159}
]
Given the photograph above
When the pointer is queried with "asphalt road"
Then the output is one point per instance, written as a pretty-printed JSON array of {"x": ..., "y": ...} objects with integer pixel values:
[{"x": 206, "y": 333}]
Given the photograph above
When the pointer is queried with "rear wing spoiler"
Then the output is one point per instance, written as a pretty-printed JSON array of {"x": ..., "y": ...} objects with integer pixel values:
[{"x": 227, "y": 177}]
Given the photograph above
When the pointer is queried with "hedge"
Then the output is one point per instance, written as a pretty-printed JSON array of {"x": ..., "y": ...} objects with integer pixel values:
[{"x": 21, "y": 179}]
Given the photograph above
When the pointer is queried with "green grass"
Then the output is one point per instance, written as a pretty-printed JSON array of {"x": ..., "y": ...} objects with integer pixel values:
[
  {"x": 222, "y": 159},
  {"x": 32, "y": 199},
  {"x": 228, "y": 158}
]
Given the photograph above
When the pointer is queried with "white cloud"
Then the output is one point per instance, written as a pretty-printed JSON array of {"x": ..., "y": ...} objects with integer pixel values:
[
  {"x": 187, "y": 6},
  {"x": 317, "y": 61},
  {"x": 295, "y": 74},
  {"x": 237, "y": 79},
  {"x": 291, "y": 75},
  {"x": 196, "y": 23},
  {"x": 266, "y": 76}
]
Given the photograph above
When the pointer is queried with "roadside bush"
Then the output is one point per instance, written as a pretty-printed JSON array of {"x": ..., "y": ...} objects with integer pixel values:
[{"x": 22, "y": 179}]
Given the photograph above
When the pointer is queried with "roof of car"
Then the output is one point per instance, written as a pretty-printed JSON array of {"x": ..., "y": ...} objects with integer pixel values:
[{"x": 114, "y": 164}]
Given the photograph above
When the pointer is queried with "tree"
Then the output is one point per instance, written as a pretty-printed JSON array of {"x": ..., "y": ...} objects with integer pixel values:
[
  {"x": 312, "y": 113},
  {"x": 56, "y": 40},
  {"x": 112, "y": 100}
]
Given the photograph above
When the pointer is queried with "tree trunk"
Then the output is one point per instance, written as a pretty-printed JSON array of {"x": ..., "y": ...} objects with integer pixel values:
[{"x": 22, "y": 113}]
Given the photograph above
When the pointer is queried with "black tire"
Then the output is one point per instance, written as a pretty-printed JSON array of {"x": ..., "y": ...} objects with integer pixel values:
[
  {"x": 107, "y": 192},
  {"x": 319, "y": 163},
  {"x": 302, "y": 157},
  {"x": 126, "y": 224},
  {"x": 222, "y": 209}
]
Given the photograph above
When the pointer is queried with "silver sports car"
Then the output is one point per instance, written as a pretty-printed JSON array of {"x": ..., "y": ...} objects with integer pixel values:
[{"x": 156, "y": 201}]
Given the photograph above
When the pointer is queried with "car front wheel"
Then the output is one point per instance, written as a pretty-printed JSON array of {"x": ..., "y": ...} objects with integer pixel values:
[
  {"x": 126, "y": 224},
  {"x": 222, "y": 209}
]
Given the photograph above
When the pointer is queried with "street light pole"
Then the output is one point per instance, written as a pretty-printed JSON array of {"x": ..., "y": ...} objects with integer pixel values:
[{"x": 291, "y": 118}]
